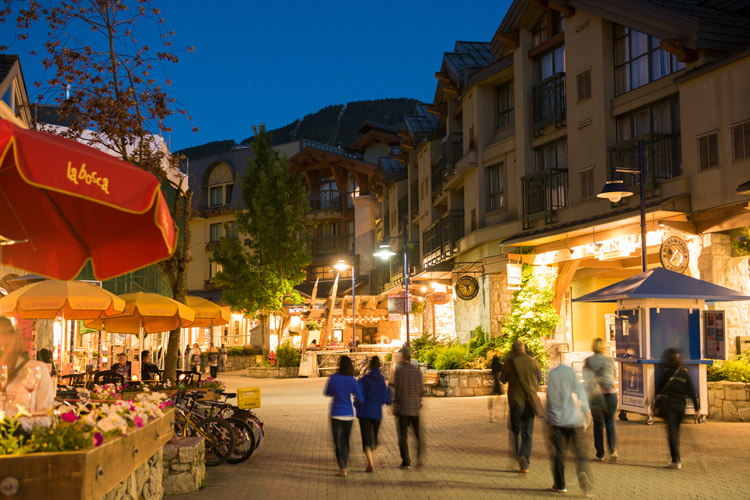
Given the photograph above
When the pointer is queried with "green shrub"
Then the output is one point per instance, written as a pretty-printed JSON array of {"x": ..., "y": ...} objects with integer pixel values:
[
  {"x": 422, "y": 345},
  {"x": 287, "y": 355},
  {"x": 389, "y": 356},
  {"x": 245, "y": 350},
  {"x": 737, "y": 370},
  {"x": 453, "y": 357}
]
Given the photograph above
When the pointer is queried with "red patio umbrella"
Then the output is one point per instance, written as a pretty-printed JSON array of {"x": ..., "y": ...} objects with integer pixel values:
[{"x": 65, "y": 203}]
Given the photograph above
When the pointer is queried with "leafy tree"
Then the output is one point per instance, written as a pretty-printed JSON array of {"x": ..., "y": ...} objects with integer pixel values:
[
  {"x": 261, "y": 266},
  {"x": 115, "y": 102},
  {"x": 532, "y": 316}
]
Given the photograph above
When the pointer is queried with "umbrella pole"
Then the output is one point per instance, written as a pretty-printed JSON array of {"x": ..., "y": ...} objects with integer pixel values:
[
  {"x": 140, "y": 350},
  {"x": 72, "y": 342},
  {"x": 99, "y": 351}
]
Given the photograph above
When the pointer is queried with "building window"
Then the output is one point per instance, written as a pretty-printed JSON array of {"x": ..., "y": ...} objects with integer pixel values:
[
  {"x": 539, "y": 33},
  {"x": 214, "y": 232},
  {"x": 708, "y": 152},
  {"x": 495, "y": 187},
  {"x": 220, "y": 185},
  {"x": 741, "y": 141},
  {"x": 659, "y": 118},
  {"x": 549, "y": 64},
  {"x": 553, "y": 155},
  {"x": 213, "y": 268},
  {"x": 505, "y": 104},
  {"x": 639, "y": 60},
  {"x": 232, "y": 229},
  {"x": 586, "y": 179},
  {"x": 583, "y": 84}
]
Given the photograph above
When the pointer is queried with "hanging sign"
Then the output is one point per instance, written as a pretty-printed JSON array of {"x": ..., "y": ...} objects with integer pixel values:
[
  {"x": 396, "y": 304},
  {"x": 515, "y": 276},
  {"x": 440, "y": 298}
]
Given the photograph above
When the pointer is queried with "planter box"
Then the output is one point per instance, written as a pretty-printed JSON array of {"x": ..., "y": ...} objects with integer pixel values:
[
  {"x": 208, "y": 394},
  {"x": 86, "y": 474},
  {"x": 273, "y": 372}
]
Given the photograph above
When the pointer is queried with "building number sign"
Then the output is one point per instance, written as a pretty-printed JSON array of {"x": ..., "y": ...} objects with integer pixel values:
[{"x": 674, "y": 254}]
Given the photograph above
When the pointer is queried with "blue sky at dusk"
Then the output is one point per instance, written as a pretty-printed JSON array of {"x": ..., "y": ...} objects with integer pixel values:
[{"x": 274, "y": 62}]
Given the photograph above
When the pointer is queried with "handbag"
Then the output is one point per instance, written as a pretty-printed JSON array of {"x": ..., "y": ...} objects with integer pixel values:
[
  {"x": 532, "y": 398},
  {"x": 659, "y": 404}
]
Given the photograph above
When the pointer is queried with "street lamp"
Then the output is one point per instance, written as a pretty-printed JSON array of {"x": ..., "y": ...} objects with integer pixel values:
[
  {"x": 342, "y": 266},
  {"x": 615, "y": 190},
  {"x": 385, "y": 252}
]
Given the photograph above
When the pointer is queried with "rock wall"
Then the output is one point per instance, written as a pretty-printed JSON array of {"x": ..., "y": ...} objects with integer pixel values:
[
  {"x": 461, "y": 383},
  {"x": 729, "y": 401},
  {"x": 184, "y": 467},
  {"x": 145, "y": 483},
  {"x": 240, "y": 362},
  {"x": 272, "y": 372}
]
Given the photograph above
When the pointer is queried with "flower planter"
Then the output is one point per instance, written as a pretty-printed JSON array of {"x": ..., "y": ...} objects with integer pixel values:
[
  {"x": 86, "y": 474},
  {"x": 208, "y": 394}
]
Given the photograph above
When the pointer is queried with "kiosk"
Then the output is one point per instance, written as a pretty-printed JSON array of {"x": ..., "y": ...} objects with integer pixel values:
[{"x": 656, "y": 310}]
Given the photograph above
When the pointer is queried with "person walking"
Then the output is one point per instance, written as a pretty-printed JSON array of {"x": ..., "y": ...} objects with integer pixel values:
[
  {"x": 676, "y": 386},
  {"x": 599, "y": 376},
  {"x": 213, "y": 360},
  {"x": 497, "y": 390},
  {"x": 407, "y": 402},
  {"x": 522, "y": 374},
  {"x": 195, "y": 359},
  {"x": 341, "y": 387},
  {"x": 223, "y": 358},
  {"x": 375, "y": 394},
  {"x": 567, "y": 420},
  {"x": 186, "y": 364}
]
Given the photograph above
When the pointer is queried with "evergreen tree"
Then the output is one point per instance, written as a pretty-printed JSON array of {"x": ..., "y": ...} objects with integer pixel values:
[{"x": 261, "y": 266}]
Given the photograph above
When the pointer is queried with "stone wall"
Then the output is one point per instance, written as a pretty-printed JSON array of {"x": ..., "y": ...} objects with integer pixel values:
[
  {"x": 461, "y": 383},
  {"x": 240, "y": 362},
  {"x": 273, "y": 372},
  {"x": 184, "y": 467},
  {"x": 145, "y": 483},
  {"x": 729, "y": 401}
]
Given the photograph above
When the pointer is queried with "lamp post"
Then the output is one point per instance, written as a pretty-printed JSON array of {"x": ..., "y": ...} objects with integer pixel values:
[
  {"x": 614, "y": 191},
  {"x": 385, "y": 252},
  {"x": 341, "y": 266}
]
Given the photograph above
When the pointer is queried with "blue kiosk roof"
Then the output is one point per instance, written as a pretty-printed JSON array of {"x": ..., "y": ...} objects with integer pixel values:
[{"x": 659, "y": 283}]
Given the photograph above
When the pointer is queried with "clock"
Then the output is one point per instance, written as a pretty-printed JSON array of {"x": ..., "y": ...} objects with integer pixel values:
[
  {"x": 674, "y": 254},
  {"x": 467, "y": 287}
]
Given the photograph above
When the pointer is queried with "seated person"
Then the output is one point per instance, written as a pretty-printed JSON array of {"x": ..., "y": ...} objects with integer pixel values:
[
  {"x": 45, "y": 356},
  {"x": 10, "y": 356},
  {"x": 149, "y": 370},
  {"x": 122, "y": 367}
]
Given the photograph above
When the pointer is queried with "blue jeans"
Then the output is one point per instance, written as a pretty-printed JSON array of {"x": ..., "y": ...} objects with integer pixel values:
[
  {"x": 341, "y": 431},
  {"x": 605, "y": 421},
  {"x": 522, "y": 425},
  {"x": 561, "y": 437}
]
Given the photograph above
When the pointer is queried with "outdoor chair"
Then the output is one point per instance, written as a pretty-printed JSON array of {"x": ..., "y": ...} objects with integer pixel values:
[
  {"x": 74, "y": 379},
  {"x": 108, "y": 377}
]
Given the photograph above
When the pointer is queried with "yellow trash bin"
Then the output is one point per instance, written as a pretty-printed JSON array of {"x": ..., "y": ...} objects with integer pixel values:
[{"x": 248, "y": 397}]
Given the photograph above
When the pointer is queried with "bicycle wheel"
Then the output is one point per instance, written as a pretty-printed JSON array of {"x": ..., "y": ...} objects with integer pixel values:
[
  {"x": 245, "y": 441},
  {"x": 220, "y": 440},
  {"x": 258, "y": 430}
]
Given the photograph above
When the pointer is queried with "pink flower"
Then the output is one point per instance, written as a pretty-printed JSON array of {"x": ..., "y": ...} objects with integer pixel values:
[
  {"x": 138, "y": 421},
  {"x": 69, "y": 417},
  {"x": 132, "y": 406},
  {"x": 98, "y": 439}
]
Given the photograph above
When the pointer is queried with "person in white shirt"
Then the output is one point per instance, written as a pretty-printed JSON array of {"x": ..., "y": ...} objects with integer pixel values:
[{"x": 18, "y": 370}]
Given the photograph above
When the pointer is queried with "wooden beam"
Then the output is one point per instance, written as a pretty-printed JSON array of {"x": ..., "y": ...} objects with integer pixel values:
[
  {"x": 538, "y": 3},
  {"x": 548, "y": 45},
  {"x": 450, "y": 88},
  {"x": 685, "y": 227},
  {"x": 511, "y": 38},
  {"x": 562, "y": 6},
  {"x": 565, "y": 273},
  {"x": 443, "y": 76},
  {"x": 438, "y": 109},
  {"x": 678, "y": 48},
  {"x": 404, "y": 134},
  {"x": 363, "y": 182},
  {"x": 339, "y": 176}
]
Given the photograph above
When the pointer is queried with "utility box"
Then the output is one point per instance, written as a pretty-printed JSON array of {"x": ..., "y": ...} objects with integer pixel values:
[
  {"x": 248, "y": 398},
  {"x": 743, "y": 344}
]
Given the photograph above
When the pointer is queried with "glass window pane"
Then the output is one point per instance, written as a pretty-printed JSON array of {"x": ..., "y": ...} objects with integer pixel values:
[
  {"x": 547, "y": 65},
  {"x": 639, "y": 72},
  {"x": 713, "y": 151},
  {"x": 620, "y": 30},
  {"x": 622, "y": 54},
  {"x": 746, "y": 146},
  {"x": 559, "y": 63},
  {"x": 638, "y": 43},
  {"x": 663, "y": 117},
  {"x": 622, "y": 80},
  {"x": 703, "y": 153},
  {"x": 562, "y": 155},
  {"x": 737, "y": 142},
  {"x": 215, "y": 197}
]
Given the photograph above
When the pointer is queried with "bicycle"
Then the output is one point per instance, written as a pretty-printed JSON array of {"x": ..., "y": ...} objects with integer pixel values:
[
  {"x": 219, "y": 436},
  {"x": 246, "y": 415},
  {"x": 246, "y": 441}
]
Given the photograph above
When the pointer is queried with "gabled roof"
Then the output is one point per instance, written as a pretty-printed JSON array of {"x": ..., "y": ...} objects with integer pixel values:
[
  {"x": 466, "y": 58},
  {"x": 391, "y": 169},
  {"x": 373, "y": 133},
  {"x": 10, "y": 70},
  {"x": 368, "y": 125},
  {"x": 6, "y": 64},
  {"x": 660, "y": 283}
]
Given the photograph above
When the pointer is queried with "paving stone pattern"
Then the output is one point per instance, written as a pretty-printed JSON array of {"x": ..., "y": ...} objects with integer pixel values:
[{"x": 466, "y": 456}]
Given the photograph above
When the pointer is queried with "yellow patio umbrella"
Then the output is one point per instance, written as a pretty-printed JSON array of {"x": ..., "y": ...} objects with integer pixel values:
[
  {"x": 146, "y": 312},
  {"x": 207, "y": 313},
  {"x": 69, "y": 299}
]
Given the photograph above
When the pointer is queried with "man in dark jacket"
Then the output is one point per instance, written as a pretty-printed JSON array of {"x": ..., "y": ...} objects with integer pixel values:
[
  {"x": 522, "y": 374},
  {"x": 406, "y": 404}
]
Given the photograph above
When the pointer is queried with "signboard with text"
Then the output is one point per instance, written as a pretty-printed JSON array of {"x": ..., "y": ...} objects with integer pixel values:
[
  {"x": 440, "y": 298},
  {"x": 632, "y": 384},
  {"x": 515, "y": 275},
  {"x": 396, "y": 304}
]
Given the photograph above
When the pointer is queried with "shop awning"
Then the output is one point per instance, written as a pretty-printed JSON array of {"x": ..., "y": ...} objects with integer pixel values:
[{"x": 659, "y": 283}]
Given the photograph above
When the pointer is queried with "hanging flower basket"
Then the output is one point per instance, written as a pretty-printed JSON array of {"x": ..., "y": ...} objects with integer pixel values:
[{"x": 741, "y": 242}]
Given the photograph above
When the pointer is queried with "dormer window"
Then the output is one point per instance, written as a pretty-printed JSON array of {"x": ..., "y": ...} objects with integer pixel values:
[{"x": 220, "y": 185}]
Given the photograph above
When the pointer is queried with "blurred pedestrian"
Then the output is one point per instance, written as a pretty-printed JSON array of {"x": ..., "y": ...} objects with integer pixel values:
[
  {"x": 375, "y": 394},
  {"x": 149, "y": 371},
  {"x": 195, "y": 359},
  {"x": 407, "y": 401},
  {"x": 341, "y": 387},
  {"x": 567, "y": 420},
  {"x": 599, "y": 375},
  {"x": 223, "y": 358},
  {"x": 186, "y": 357},
  {"x": 676, "y": 386},
  {"x": 213, "y": 360},
  {"x": 522, "y": 374},
  {"x": 497, "y": 389}
]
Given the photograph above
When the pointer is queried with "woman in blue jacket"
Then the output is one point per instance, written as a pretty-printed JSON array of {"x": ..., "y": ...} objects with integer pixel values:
[
  {"x": 342, "y": 386},
  {"x": 375, "y": 394}
]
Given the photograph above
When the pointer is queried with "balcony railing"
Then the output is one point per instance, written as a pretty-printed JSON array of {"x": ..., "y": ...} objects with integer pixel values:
[
  {"x": 543, "y": 193},
  {"x": 328, "y": 200},
  {"x": 414, "y": 195},
  {"x": 661, "y": 155},
  {"x": 306, "y": 143},
  {"x": 440, "y": 240},
  {"x": 438, "y": 175},
  {"x": 403, "y": 207},
  {"x": 332, "y": 245},
  {"x": 549, "y": 102},
  {"x": 452, "y": 147}
]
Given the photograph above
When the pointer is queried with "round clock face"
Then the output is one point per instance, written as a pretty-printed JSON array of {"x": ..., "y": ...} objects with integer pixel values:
[
  {"x": 467, "y": 287},
  {"x": 674, "y": 254}
]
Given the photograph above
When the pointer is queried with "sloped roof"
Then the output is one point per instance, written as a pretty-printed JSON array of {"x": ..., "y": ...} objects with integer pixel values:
[
  {"x": 391, "y": 169},
  {"x": 660, "y": 283},
  {"x": 466, "y": 58},
  {"x": 6, "y": 65}
]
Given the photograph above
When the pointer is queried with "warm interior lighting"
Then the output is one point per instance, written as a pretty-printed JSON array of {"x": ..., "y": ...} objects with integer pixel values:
[
  {"x": 341, "y": 266},
  {"x": 423, "y": 289},
  {"x": 134, "y": 378},
  {"x": 384, "y": 251},
  {"x": 614, "y": 191},
  {"x": 435, "y": 285}
]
